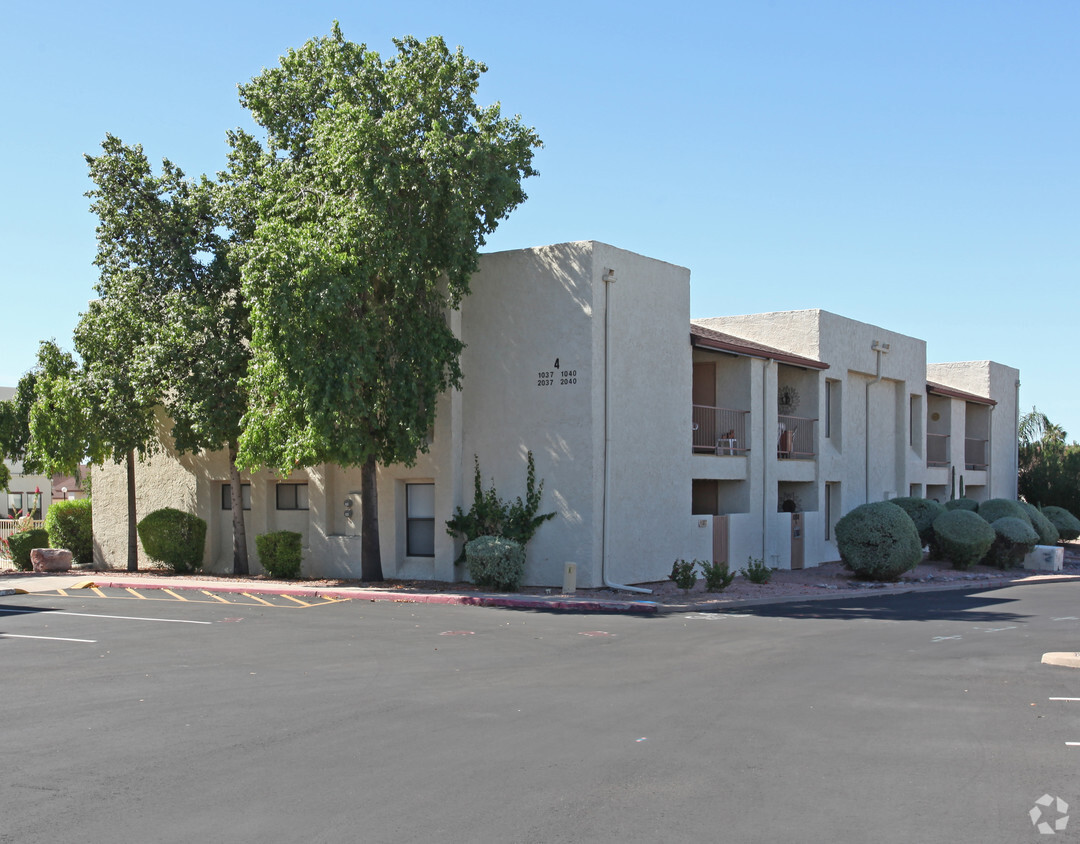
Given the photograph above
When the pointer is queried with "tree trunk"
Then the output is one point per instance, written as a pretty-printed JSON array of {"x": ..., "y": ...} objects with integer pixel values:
[
  {"x": 239, "y": 531},
  {"x": 133, "y": 536},
  {"x": 370, "y": 555}
]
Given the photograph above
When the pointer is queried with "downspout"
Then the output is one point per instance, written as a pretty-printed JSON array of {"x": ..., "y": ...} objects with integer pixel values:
[
  {"x": 767, "y": 454},
  {"x": 989, "y": 456},
  {"x": 1016, "y": 443},
  {"x": 609, "y": 279},
  {"x": 879, "y": 349}
]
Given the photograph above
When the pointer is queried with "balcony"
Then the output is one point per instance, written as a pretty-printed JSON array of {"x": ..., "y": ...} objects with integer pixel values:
[
  {"x": 795, "y": 438},
  {"x": 937, "y": 450},
  {"x": 720, "y": 431},
  {"x": 976, "y": 453}
]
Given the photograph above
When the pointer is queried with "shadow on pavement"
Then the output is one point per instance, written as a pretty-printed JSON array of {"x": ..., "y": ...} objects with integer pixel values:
[{"x": 952, "y": 605}]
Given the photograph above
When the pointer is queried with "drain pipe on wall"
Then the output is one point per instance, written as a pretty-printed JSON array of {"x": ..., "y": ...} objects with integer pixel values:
[
  {"x": 880, "y": 349},
  {"x": 766, "y": 455},
  {"x": 609, "y": 279}
]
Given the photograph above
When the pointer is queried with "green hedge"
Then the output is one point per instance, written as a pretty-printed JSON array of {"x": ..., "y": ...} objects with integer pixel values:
[
  {"x": 70, "y": 525},
  {"x": 280, "y": 553},
  {"x": 174, "y": 538},
  {"x": 1067, "y": 524},
  {"x": 22, "y": 543},
  {"x": 922, "y": 511},
  {"x": 999, "y": 508},
  {"x": 495, "y": 563},
  {"x": 1014, "y": 540},
  {"x": 1048, "y": 534},
  {"x": 963, "y": 537},
  {"x": 878, "y": 541}
]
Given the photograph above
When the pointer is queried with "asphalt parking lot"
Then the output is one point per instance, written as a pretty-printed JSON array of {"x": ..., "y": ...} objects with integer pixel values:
[{"x": 906, "y": 718}]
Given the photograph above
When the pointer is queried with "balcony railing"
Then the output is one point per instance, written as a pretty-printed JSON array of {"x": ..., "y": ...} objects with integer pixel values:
[
  {"x": 976, "y": 453},
  {"x": 937, "y": 449},
  {"x": 719, "y": 430},
  {"x": 795, "y": 438}
]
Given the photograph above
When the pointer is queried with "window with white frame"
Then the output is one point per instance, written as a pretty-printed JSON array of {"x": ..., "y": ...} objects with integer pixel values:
[
  {"x": 292, "y": 496},
  {"x": 15, "y": 502},
  {"x": 420, "y": 520},
  {"x": 226, "y": 496}
]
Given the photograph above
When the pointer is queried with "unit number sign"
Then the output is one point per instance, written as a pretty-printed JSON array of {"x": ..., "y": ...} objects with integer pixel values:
[{"x": 556, "y": 376}]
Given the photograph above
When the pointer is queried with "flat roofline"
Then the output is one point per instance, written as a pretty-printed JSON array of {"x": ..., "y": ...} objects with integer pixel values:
[
  {"x": 935, "y": 389},
  {"x": 708, "y": 338}
]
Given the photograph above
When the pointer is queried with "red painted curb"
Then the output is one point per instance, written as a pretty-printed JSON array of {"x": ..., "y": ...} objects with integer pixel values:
[{"x": 531, "y": 602}]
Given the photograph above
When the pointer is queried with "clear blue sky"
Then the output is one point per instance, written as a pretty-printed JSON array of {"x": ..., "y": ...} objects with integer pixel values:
[{"x": 915, "y": 165}]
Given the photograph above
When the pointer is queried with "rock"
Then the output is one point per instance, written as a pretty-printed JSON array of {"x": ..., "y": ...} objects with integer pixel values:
[{"x": 50, "y": 559}]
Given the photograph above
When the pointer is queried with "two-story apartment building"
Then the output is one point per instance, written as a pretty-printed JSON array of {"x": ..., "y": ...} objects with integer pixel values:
[{"x": 752, "y": 439}]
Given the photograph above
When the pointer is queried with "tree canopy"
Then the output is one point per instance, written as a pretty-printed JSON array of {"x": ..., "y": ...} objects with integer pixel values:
[{"x": 377, "y": 185}]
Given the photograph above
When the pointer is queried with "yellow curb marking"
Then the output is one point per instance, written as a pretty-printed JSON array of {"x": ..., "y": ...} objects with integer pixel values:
[
  {"x": 256, "y": 598},
  {"x": 84, "y": 584}
]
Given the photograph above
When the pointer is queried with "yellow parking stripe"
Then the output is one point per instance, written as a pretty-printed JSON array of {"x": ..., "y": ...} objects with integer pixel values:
[
  {"x": 99, "y": 593},
  {"x": 62, "y": 592},
  {"x": 178, "y": 597},
  {"x": 215, "y": 597},
  {"x": 256, "y": 598},
  {"x": 136, "y": 593},
  {"x": 301, "y": 603}
]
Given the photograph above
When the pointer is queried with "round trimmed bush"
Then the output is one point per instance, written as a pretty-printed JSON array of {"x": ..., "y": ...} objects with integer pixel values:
[
  {"x": 174, "y": 538},
  {"x": 998, "y": 508},
  {"x": 495, "y": 563},
  {"x": 962, "y": 504},
  {"x": 280, "y": 553},
  {"x": 22, "y": 543},
  {"x": 963, "y": 537},
  {"x": 878, "y": 541},
  {"x": 1014, "y": 539},
  {"x": 70, "y": 525},
  {"x": 1048, "y": 534},
  {"x": 922, "y": 511},
  {"x": 1067, "y": 524}
]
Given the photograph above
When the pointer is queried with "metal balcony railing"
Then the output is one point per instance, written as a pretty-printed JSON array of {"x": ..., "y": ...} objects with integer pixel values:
[
  {"x": 937, "y": 449},
  {"x": 976, "y": 453},
  {"x": 795, "y": 438},
  {"x": 720, "y": 430}
]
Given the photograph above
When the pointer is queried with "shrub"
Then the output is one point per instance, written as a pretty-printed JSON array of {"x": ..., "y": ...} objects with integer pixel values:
[
  {"x": 717, "y": 576},
  {"x": 1067, "y": 524},
  {"x": 495, "y": 563},
  {"x": 1014, "y": 539},
  {"x": 173, "y": 538},
  {"x": 70, "y": 525},
  {"x": 756, "y": 571},
  {"x": 683, "y": 574},
  {"x": 998, "y": 508},
  {"x": 491, "y": 516},
  {"x": 280, "y": 553},
  {"x": 25, "y": 541},
  {"x": 962, "y": 504},
  {"x": 1048, "y": 534},
  {"x": 878, "y": 541},
  {"x": 922, "y": 511},
  {"x": 963, "y": 536}
]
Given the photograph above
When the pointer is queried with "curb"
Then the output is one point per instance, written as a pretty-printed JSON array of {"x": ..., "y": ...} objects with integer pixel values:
[
  {"x": 529, "y": 602},
  {"x": 5, "y": 592}
]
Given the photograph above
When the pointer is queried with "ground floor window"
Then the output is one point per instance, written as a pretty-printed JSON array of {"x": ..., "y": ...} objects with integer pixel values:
[
  {"x": 226, "y": 496},
  {"x": 15, "y": 503},
  {"x": 292, "y": 497},
  {"x": 420, "y": 520}
]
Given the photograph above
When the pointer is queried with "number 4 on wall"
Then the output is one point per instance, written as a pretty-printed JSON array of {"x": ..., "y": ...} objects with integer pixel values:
[{"x": 556, "y": 363}]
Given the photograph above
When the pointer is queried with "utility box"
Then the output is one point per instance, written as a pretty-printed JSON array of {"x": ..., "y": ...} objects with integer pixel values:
[
  {"x": 1045, "y": 558},
  {"x": 569, "y": 581}
]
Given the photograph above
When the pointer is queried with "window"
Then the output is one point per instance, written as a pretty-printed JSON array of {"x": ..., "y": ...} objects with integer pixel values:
[
  {"x": 15, "y": 502},
  {"x": 832, "y": 411},
  {"x": 226, "y": 496},
  {"x": 292, "y": 497},
  {"x": 420, "y": 520}
]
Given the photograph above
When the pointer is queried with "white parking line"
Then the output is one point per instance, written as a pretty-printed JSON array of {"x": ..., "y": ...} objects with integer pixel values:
[
  {"x": 1074, "y": 699},
  {"x": 49, "y": 638},
  {"x": 48, "y": 613}
]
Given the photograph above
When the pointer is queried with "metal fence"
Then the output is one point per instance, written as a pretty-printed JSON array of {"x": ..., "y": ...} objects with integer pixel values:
[
  {"x": 719, "y": 430},
  {"x": 795, "y": 437}
]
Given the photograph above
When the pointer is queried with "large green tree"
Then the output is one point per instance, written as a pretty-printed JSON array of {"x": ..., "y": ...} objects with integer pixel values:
[
  {"x": 377, "y": 184},
  {"x": 170, "y": 327},
  {"x": 1049, "y": 470}
]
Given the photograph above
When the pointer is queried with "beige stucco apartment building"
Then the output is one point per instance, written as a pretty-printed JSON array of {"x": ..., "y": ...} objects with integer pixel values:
[{"x": 656, "y": 438}]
